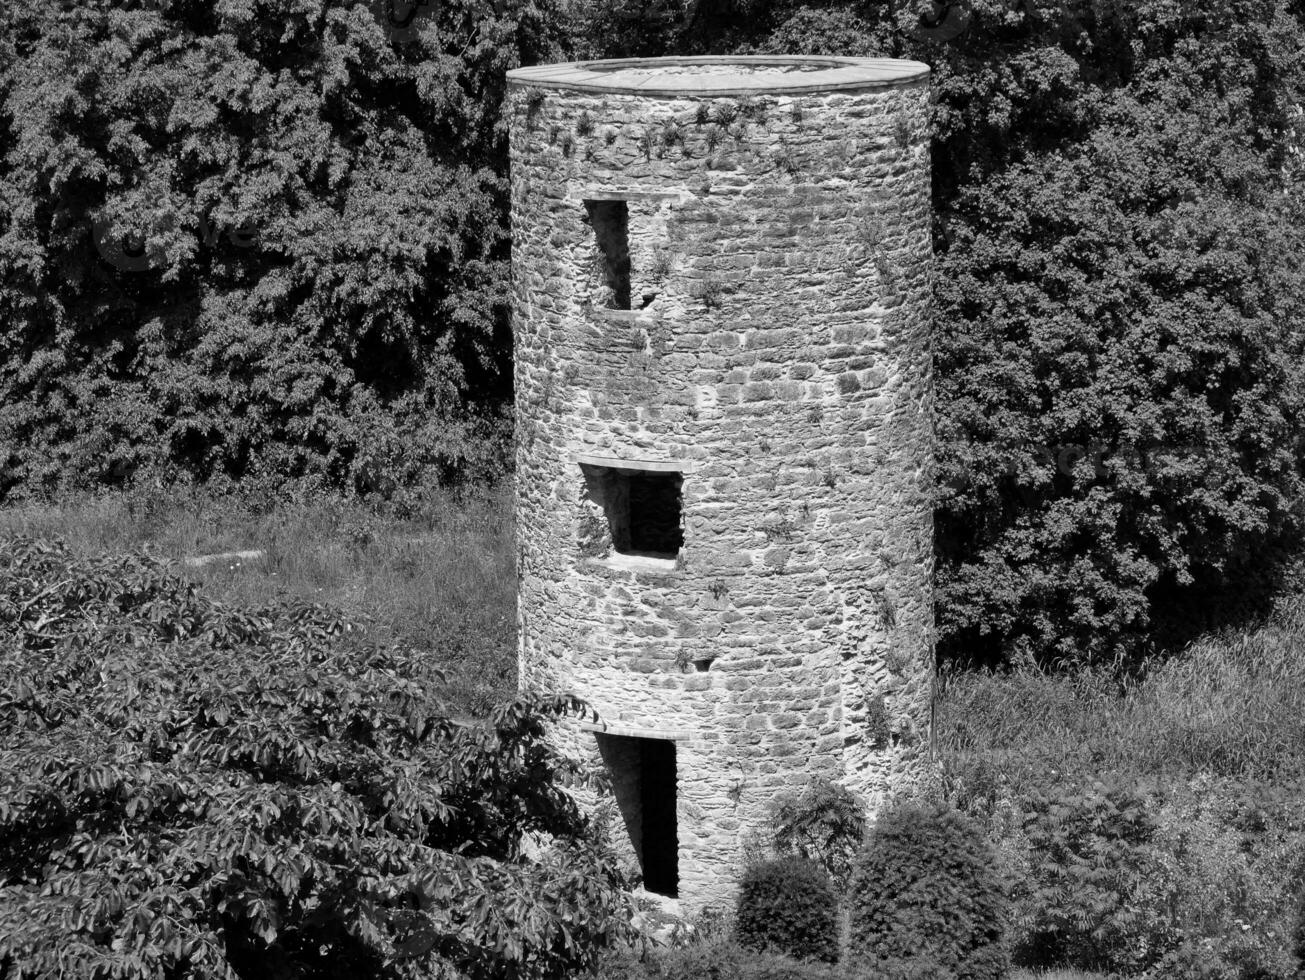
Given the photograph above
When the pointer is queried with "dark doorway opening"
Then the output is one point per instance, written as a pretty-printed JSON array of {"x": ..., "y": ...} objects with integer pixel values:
[
  {"x": 642, "y": 771},
  {"x": 611, "y": 223},
  {"x": 643, "y": 509}
]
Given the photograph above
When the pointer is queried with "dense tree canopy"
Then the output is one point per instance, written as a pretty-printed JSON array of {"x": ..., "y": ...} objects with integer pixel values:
[
  {"x": 1120, "y": 310},
  {"x": 252, "y": 238}
]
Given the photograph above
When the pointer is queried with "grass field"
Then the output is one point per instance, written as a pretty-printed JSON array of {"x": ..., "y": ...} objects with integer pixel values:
[
  {"x": 442, "y": 579},
  {"x": 1231, "y": 704}
]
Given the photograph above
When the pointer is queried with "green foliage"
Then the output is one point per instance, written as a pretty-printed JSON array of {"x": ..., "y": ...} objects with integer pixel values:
[
  {"x": 1188, "y": 860},
  {"x": 714, "y": 958},
  {"x": 710, "y": 291},
  {"x": 435, "y": 572},
  {"x": 823, "y": 823},
  {"x": 925, "y": 898},
  {"x": 1119, "y": 379},
  {"x": 789, "y": 905},
  {"x": 623, "y": 28},
  {"x": 1087, "y": 899},
  {"x": 314, "y": 277},
  {"x": 1157, "y": 878},
  {"x": 188, "y": 789},
  {"x": 1230, "y": 705},
  {"x": 1234, "y": 853},
  {"x": 1118, "y": 367},
  {"x": 824, "y": 30}
]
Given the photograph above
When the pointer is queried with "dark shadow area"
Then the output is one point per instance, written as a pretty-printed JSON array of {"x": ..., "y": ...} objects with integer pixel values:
[
  {"x": 1237, "y": 598},
  {"x": 643, "y": 509},
  {"x": 611, "y": 223},
  {"x": 642, "y": 772}
]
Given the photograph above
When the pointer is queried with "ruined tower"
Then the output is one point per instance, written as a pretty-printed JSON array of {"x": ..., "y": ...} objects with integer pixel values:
[{"x": 724, "y": 433}]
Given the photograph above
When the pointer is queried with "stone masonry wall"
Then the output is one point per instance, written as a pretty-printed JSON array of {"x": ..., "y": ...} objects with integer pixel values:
[{"x": 783, "y": 368}]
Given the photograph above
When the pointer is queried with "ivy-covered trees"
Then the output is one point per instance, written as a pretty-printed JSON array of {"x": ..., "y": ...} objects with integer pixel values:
[
  {"x": 191, "y": 790},
  {"x": 255, "y": 240},
  {"x": 1120, "y": 352}
]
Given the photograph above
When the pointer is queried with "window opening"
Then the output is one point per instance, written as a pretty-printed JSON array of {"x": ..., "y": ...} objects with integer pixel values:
[
  {"x": 642, "y": 773},
  {"x": 611, "y": 223},
  {"x": 642, "y": 510}
]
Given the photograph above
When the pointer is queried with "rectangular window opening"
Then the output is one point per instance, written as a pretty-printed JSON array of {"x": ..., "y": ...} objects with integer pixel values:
[
  {"x": 633, "y": 512},
  {"x": 611, "y": 223},
  {"x": 642, "y": 772}
]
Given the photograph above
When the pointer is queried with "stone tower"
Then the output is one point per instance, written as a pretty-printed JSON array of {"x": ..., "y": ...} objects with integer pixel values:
[{"x": 721, "y": 277}]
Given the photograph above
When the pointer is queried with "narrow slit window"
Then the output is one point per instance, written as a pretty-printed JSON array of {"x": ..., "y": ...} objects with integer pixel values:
[
  {"x": 641, "y": 512},
  {"x": 611, "y": 223}
]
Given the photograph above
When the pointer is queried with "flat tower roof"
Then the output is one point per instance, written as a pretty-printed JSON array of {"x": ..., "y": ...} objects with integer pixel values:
[{"x": 722, "y": 75}]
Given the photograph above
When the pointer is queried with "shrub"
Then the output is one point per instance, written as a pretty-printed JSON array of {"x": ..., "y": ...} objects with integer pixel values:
[
  {"x": 789, "y": 905},
  {"x": 1098, "y": 884},
  {"x": 717, "y": 959},
  {"x": 825, "y": 823},
  {"x": 193, "y": 790},
  {"x": 1234, "y": 850},
  {"x": 925, "y": 897}
]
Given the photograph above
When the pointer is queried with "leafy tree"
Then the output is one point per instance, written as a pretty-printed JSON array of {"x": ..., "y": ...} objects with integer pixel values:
[
  {"x": 1119, "y": 373},
  {"x": 261, "y": 239},
  {"x": 826, "y": 30},
  {"x": 1094, "y": 894},
  {"x": 188, "y": 790},
  {"x": 825, "y": 823}
]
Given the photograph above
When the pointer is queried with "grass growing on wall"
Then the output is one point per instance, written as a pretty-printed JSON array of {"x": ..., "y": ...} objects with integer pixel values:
[{"x": 441, "y": 578}]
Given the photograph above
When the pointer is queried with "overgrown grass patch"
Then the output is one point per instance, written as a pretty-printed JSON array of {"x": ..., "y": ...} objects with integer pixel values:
[
  {"x": 1228, "y": 705},
  {"x": 440, "y": 577},
  {"x": 1151, "y": 823}
]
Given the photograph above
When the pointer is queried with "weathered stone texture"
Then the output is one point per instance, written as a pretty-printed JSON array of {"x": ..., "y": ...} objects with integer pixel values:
[{"x": 784, "y": 367}]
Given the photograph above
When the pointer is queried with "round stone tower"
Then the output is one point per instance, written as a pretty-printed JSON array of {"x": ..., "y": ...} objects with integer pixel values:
[{"x": 721, "y": 278}]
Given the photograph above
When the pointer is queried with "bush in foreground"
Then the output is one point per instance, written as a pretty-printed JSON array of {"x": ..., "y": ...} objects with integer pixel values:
[
  {"x": 925, "y": 899},
  {"x": 1162, "y": 878},
  {"x": 1097, "y": 885},
  {"x": 789, "y": 905},
  {"x": 191, "y": 790},
  {"x": 715, "y": 958}
]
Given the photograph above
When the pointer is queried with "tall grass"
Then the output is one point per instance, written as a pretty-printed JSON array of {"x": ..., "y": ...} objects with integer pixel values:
[
  {"x": 440, "y": 578},
  {"x": 1229, "y": 705}
]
